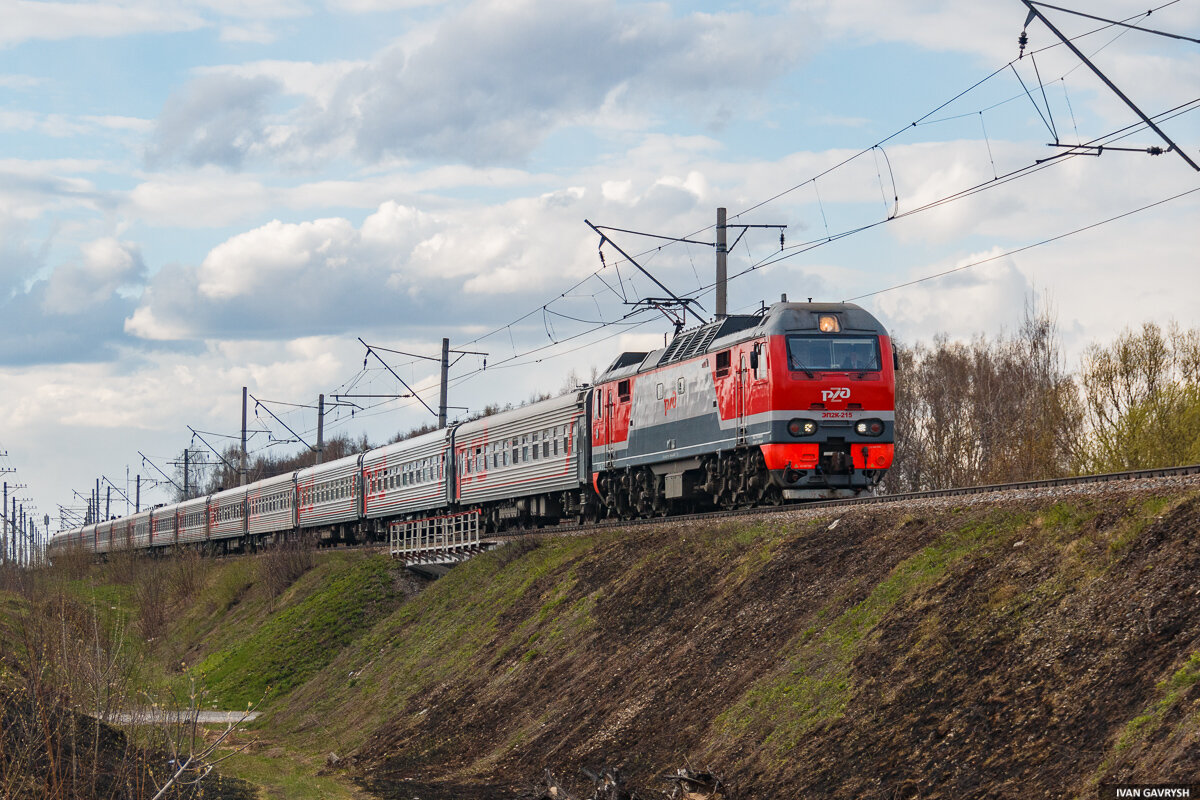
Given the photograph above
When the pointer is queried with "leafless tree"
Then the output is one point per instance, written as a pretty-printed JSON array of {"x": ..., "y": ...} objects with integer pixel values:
[{"x": 985, "y": 411}]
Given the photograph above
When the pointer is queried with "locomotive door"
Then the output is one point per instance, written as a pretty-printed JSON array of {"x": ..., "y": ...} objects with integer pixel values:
[
  {"x": 743, "y": 391},
  {"x": 607, "y": 410}
]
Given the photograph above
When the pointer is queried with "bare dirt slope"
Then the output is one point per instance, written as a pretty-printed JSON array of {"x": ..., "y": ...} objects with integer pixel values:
[{"x": 1026, "y": 646}]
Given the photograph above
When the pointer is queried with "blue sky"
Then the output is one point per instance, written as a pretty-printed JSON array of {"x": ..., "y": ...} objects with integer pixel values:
[{"x": 198, "y": 195}]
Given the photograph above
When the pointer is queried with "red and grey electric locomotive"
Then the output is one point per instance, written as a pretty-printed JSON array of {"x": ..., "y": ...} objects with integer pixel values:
[{"x": 793, "y": 403}]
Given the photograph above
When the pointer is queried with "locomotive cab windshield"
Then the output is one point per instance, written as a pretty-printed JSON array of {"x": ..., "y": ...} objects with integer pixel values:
[{"x": 825, "y": 353}]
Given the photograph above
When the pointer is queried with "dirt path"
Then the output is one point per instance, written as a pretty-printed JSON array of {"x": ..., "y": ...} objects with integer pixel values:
[{"x": 154, "y": 716}]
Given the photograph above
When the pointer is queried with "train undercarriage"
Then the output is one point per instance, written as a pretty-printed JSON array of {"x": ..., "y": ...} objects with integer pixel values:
[{"x": 738, "y": 478}]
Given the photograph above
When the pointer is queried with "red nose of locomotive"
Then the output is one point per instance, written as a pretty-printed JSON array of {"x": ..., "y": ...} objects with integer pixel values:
[{"x": 833, "y": 400}]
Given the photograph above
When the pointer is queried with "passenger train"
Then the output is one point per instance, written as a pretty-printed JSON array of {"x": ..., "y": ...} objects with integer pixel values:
[{"x": 793, "y": 403}]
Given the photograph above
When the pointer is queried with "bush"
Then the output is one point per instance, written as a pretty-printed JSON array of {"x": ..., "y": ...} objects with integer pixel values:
[{"x": 281, "y": 565}]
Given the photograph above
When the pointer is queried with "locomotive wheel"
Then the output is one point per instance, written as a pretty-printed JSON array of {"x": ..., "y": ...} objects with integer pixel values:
[
  {"x": 772, "y": 496},
  {"x": 758, "y": 481},
  {"x": 646, "y": 499},
  {"x": 731, "y": 481},
  {"x": 625, "y": 496}
]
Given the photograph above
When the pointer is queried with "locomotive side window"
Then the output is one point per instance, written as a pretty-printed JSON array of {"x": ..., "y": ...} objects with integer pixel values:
[
  {"x": 680, "y": 386},
  {"x": 852, "y": 353},
  {"x": 723, "y": 363},
  {"x": 623, "y": 391},
  {"x": 659, "y": 392}
]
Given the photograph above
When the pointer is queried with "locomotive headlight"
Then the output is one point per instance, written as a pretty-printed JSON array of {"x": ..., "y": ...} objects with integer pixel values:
[
  {"x": 802, "y": 427},
  {"x": 869, "y": 427}
]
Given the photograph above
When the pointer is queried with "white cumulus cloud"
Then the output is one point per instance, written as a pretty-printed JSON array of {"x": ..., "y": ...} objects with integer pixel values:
[{"x": 107, "y": 264}]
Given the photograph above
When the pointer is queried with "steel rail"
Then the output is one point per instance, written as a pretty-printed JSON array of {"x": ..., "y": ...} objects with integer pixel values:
[
  {"x": 786, "y": 507},
  {"x": 1079, "y": 480}
]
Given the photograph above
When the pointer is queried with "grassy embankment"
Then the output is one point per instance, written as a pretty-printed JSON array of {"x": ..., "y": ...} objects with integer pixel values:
[{"x": 951, "y": 652}]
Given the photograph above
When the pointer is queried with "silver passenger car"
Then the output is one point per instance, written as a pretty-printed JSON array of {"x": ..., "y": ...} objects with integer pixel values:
[
  {"x": 139, "y": 530},
  {"x": 272, "y": 505},
  {"x": 227, "y": 514},
  {"x": 531, "y": 450},
  {"x": 192, "y": 520},
  {"x": 407, "y": 477},
  {"x": 329, "y": 493}
]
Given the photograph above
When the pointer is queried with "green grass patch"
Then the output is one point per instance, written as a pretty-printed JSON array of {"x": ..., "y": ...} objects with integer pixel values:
[
  {"x": 114, "y": 603},
  {"x": 1133, "y": 524},
  {"x": 753, "y": 546},
  {"x": 226, "y": 596},
  {"x": 1065, "y": 520},
  {"x": 816, "y": 685},
  {"x": 1172, "y": 691},
  {"x": 446, "y": 634},
  {"x": 334, "y": 604},
  {"x": 283, "y": 776}
]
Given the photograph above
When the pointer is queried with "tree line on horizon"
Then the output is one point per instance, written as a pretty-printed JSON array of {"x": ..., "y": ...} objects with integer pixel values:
[{"x": 1007, "y": 409}]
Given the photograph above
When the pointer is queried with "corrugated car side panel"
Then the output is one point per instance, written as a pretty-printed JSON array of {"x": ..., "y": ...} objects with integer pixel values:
[
  {"x": 162, "y": 526},
  {"x": 141, "y": 530},
  {"x": 227, "y": 514},
  {"x": 193, "y": 520},
  {"x": 407, "y": 477},
  {"x": 272, "y": 505},
  {"x": 329, "y": 493},
  {"x": 104, "y": 537},
  {"x": 481, "y": 447}
]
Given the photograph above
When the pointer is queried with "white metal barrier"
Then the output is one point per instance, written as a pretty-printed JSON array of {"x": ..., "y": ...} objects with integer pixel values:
[{"x": 446, "y": 539}]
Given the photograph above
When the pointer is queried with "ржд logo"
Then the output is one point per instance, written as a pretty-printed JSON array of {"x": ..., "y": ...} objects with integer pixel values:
[{"x": 836, "y": 393}]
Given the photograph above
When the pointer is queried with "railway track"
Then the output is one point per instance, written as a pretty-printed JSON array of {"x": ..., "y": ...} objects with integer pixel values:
[{"x": 1120, "y": 478}]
